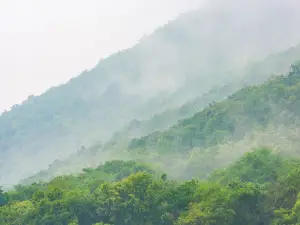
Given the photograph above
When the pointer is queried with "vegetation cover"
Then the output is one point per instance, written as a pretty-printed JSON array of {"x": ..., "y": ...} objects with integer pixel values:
[
  {"x": 250, "y": 107},
  {"x": 260, "y": 188},
  {"x": 193, "y": 162},
  {"x": 179, "y": 148}
]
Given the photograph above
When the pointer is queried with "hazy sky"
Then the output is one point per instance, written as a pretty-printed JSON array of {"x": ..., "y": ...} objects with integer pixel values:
[{"x": 46, "y": 42}]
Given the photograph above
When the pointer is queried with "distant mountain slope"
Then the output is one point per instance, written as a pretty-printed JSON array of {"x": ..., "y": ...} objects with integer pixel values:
[
  {"x": 179, "y": 61},
  {"x": 254, "y": 73},
  {"x": 250, "y": 108},
  {"x": 251, "y": 117},
  {"x": 274, "y": 64}
]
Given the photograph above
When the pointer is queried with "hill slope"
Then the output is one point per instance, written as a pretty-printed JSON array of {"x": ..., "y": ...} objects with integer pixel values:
[
  {"x": 254, "y": 73},
  {"x": 184, "y": 58},
  {"x": 266, "y": 114},
  {"x": 244, "y": 110}
]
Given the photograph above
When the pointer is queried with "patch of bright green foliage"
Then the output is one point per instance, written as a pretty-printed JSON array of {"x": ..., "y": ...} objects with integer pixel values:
[{"x": 261, "y": 188}]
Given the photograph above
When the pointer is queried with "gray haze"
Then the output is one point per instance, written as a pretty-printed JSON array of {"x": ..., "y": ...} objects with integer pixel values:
[
  {"x": 45, "y": 43},
  {"x": 181, "y": 60}
]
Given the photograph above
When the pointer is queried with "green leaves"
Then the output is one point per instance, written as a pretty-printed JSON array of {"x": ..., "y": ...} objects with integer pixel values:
[{"x": 260, "y": 188}]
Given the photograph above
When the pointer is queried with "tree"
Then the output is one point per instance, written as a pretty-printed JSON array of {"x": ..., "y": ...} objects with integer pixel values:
[{"x": 3, "y": 197}]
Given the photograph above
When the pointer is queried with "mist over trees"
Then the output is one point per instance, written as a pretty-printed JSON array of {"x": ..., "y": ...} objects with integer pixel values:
[
  {"x": 180, "y": 61},
  {"x": 197, "y": 124}
]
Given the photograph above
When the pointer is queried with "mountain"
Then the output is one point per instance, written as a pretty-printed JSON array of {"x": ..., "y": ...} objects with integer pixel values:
[
  {"x": 260, "y": 71},
  {"x": 254, "y": 116},
  {"x": 178, "y": 62}
]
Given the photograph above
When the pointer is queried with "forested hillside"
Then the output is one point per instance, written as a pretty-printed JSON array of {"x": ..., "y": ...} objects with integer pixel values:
[
  {"x": 247, "y": 109},
  {"x": 254, "y": 116},
  {"x": 259, "y": 189},
  {"x": 197, "y": 124},
  {"x": 178, "y": 62},
  {"x": 254, "y": 73}
]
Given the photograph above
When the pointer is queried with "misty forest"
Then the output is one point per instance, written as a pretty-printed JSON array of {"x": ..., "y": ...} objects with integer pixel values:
[{"x": 196, "y": 124}]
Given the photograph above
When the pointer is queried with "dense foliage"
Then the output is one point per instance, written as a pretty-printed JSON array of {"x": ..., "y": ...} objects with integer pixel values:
[{"x": 261, "y": 188}]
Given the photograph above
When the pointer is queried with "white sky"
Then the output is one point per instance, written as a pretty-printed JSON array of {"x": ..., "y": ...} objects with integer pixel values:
[{"x": 45, "y": 42}]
